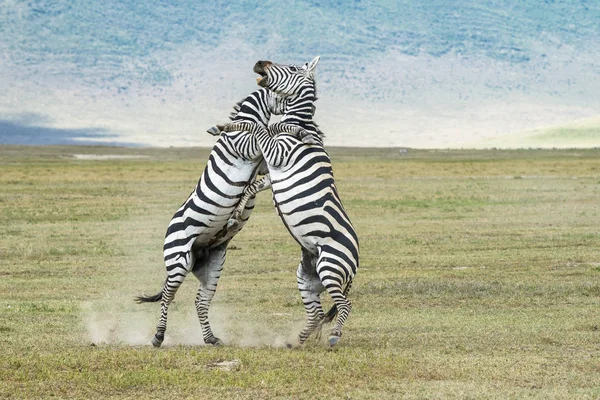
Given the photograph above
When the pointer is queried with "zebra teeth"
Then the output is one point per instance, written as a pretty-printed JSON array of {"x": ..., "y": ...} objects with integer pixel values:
[{"x": 262, "y": 80}]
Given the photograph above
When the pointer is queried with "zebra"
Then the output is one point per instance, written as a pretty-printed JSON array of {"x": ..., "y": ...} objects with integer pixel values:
[
  {"x": 307, "y": 200},
  {"x": 263, "y": 183},
  {"x": 197, "y": 236}
]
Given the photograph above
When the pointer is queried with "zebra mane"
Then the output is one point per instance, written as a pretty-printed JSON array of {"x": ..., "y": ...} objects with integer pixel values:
[
  {"x": 236, "y": 109},
  {"x": 238, "y": 106},
  {"x": 319, "y": 131}
]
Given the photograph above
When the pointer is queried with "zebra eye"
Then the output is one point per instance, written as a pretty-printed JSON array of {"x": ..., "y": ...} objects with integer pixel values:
[{"x": 293, "y": 68}]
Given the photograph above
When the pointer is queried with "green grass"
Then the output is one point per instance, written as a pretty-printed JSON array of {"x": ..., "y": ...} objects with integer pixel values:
[
  {"x": 584, "y": 133},
  {"x": 479, "y": 278},
  {"x": 571, "y": 133}
]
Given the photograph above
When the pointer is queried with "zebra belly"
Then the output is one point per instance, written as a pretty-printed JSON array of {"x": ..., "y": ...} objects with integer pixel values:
[
  {"x": 312, "y": 211},
  {"x": 305, "y": 217},
  {"x": 202, "y": 220}
]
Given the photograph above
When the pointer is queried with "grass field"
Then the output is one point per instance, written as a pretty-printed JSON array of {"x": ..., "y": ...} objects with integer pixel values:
[{"x": 479, "y": 278}]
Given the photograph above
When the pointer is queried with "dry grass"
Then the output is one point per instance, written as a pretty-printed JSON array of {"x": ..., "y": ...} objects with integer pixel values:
[{"x": 479, "y": 278}]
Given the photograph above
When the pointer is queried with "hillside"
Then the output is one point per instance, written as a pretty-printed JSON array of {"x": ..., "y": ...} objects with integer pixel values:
[
  {"x": 400, "y": 73},
  {"x": 577, "y": 134}
]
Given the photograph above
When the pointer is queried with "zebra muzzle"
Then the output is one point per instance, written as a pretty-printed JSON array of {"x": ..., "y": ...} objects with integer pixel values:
[{"x": 261, "y": 68}]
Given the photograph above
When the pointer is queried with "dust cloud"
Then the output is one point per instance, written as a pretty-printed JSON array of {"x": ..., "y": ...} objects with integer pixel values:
[
  {"x": 113, "y": 318},
  {"x": 115, "y": 323}
]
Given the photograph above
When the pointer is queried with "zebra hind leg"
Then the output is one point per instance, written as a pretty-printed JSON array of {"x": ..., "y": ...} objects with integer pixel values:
[
  {"x": 332, "y": 315},
  {"x": 342, "y": 305},
  {"x": 177, "y": 273},
  {"x": 208, "y": 271},
  {"x": 310, "y": 288}
]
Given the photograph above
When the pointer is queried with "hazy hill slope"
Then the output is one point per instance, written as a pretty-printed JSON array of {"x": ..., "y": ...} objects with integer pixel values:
[
  {"x": 155, "y": 72},
  {"x": 577, "y": 134}
]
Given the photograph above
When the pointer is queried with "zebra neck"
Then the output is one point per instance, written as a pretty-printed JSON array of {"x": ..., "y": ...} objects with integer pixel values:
[
  {"x": 255, "y": 118},
  {"x": 255, "y": 108},
  {"x": 300, "y": 109}
]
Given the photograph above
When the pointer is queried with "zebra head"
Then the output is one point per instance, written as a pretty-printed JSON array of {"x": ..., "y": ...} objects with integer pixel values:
[{"x": 285, "y": 79}]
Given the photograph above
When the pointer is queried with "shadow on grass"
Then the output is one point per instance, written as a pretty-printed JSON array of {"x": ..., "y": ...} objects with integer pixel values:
[{"x": 23, "y": 133}]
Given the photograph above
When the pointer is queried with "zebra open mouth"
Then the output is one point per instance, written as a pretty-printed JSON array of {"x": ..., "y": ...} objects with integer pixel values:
[
  {"x": 263, "y": 79},
  {"x": 261, "y": 68}
]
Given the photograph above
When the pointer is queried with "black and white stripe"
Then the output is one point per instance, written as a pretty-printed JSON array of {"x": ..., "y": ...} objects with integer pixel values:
[
  {"x": 197, "y": 236},
  {"x": 307, "y": 199}
]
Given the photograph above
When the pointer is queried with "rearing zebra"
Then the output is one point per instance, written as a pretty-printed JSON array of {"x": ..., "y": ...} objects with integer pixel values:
[
  {"x": 197, "y": 236},
  {"x": 307, "y": 200}
]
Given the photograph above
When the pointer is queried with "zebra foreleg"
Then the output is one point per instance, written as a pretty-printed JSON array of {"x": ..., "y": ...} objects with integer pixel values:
[
  {"x": 301, "y": 133},
  {"x": 250, "y": 191},
  {"x": 208, "y": 272},
  {"x": 215, "y": 130},
  {"x": 273, "y": 130},
  {"x": 310, "y": 288}
]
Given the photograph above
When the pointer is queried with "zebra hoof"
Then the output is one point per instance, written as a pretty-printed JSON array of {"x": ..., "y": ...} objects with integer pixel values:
[
  {"x": 333, "y": 340},
  {"x": 156, "y": 341},
  {"x": 215, "y": 341},
  {"x": 214, "y": 131},
  {"x": 295, "y": 345},
  {"x": 232, "y": 224},
  {"x": 309, "y": 140}
]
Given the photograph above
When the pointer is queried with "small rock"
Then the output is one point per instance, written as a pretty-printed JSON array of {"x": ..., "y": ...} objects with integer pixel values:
[{"x": 232, "y": 365}]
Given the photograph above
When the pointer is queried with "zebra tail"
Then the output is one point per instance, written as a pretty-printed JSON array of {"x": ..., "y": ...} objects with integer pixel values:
[{"x": 149, "y": 299}]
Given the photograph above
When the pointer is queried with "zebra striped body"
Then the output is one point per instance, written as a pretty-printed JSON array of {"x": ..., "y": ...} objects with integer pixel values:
[
  {"x": 197, "y": 236},
  {"x": 307, "y": 200}
]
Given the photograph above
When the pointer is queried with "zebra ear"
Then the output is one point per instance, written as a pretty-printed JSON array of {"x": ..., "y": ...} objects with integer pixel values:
[{"x": 313, "y": 64}]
